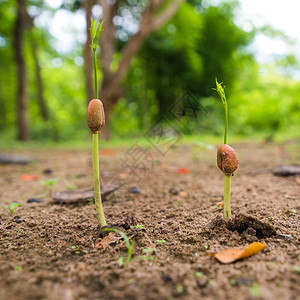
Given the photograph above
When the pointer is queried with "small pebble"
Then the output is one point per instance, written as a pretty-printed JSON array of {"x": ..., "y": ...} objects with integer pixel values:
[
  {"x": 135, "y": 190},
  {"x": 47, "y": 171},
  {"x": 284, "y": 236},
  {"x": 184, "y": 195},
  {"x": 34, "y": 200},
  {"x": 173, "y": 191}
]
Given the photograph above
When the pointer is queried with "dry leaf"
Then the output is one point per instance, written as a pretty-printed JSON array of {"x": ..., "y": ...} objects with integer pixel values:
[
  {"x": 231, "y": 255},
  {"x": 297, "y": 179},
  {"x": 109, "y": 239},
  {"x": 27, "y": 177}
]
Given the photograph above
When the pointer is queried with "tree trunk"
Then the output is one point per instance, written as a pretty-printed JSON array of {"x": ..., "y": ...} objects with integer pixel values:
[
  {"x": 22, "y": 123},
  {"x": 39, "y": 82},
  {"x": 87, "y": 53}
]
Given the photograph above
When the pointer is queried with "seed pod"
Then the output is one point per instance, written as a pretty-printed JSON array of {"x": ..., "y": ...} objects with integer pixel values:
[
  {"x": 227, "y": 159},
  {"x": 95, "y": 115}
]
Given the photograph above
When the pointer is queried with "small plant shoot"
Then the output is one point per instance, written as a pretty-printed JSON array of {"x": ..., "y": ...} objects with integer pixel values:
[
  {"x": 96, "y": 120},
  {"x": 226, "y": 157},
  {"x": 12, "y": 207},
  {"x": 129, "y": 245}
]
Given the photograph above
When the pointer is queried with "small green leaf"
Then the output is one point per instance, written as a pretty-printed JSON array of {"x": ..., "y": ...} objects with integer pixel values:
[
  {"x": 99, "y": 29},
  {"x": 93, "y": 29},
  {"x": 18, "y": 268},
  {"x": 232, "y": 282},
  {"x": 13, "y": 206},
  {"x": 120, "y": 261},
  {"x": 255, "y": 290},
  {"x": 180, "y": 289},
  {"x": 50, "y": 182},
  {"x": 198, "y": 274},
  {"x": 296, "y": 268}
]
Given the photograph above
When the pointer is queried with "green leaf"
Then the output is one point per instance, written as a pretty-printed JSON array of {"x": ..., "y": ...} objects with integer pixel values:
[
  {"x": 93, "y": 29},
  {"x": 13, "y": 206},
  {"x": 120, "y": 261},
  {"x": 220, "y": 91},
  {"x": 99, "y": 29}
]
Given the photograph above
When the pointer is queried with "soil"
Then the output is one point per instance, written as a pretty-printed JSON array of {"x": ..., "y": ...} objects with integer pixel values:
[{"x": 54, "y": 251}]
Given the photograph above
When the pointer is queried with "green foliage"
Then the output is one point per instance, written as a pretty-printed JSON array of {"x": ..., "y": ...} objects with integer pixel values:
[
  {"x": 95, "y": 32},
  {"x": 198, "y": 44}
]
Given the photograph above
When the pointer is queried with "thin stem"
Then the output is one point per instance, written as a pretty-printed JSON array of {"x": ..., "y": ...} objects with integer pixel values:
[
  {"x": 226, "y": 122},
  {"x": 95, "y": 73},
  {"x": 96, "y": 176},
  {"x": 227, "y": 210}
]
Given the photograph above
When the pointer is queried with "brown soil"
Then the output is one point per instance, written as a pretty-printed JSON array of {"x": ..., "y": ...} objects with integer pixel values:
[{"x": 53, "y": 251}]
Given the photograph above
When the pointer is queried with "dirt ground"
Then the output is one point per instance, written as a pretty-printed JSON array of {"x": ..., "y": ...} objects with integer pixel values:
[{"x": 54, "y": 251}]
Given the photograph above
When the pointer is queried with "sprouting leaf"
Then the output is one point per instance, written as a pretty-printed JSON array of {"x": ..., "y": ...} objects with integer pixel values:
[
  {"x": 13, "y": 206},
  {"x": 220, "y": 91},
  {"x": 255, "y": 290},
  {"x": 120, "y": 261},
  {"x": 99, "y": 29},
  {"x": 93, "y": 29},
  {"x": 49, "y": 182},
  {"x": 231, "y": 255}
]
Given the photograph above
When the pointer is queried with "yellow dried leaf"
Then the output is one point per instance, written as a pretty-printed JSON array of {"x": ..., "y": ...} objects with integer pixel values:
[{"x": 231, "y": 255}]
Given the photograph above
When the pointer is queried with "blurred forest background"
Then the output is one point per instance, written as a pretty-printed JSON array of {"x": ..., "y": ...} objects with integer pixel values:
[{"x": 150, "y": 54}]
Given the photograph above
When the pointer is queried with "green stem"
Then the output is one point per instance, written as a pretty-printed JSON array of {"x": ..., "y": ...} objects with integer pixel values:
[
  {"x": 226, "y": 122},
  {"x": 95, "y": 73},
  {"x": 96, "y": 176},
  {"x": 227, "y": 210}
]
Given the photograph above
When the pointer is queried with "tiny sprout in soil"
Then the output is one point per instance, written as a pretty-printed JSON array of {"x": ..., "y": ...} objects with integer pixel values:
[
  {"x": 12, "y": 207},
  {"x": 96, "y": 120},
  {"x": 226, "y": 156},
  {"x": 49, "y": 183},
  {"x": 128, "y": 245}
]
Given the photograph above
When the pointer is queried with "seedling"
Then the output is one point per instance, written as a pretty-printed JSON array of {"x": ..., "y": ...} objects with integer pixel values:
[
  {"x": 226, "y": 156},
  {"x": 148, "y": 251},
  {"x": 96, "y": 120},
  {"x": 12, "y": 207},
  {"x": 49, "y": 183},
  {"x": 128, "y": 245}
]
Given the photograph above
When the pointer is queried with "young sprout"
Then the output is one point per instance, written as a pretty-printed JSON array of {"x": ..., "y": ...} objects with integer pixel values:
[
  {"x": 12, "y": 207},
  {"x": 96, "y": 120},
  {"x": 226, "y": 156},
  {"x": 129, "y": 245}
]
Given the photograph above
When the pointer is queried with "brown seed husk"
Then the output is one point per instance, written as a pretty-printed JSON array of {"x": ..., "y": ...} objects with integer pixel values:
[
  {"x": 95, "y": 115},
  {"x": 227, "y": 159}
]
